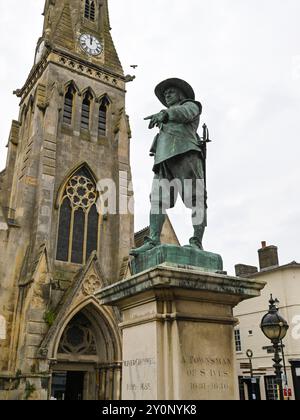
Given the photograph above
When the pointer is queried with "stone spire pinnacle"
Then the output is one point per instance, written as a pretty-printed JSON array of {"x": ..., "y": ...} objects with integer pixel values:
[{"x": 47, "y": 13}]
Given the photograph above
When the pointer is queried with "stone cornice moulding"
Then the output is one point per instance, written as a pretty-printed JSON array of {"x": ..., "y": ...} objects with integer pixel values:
[
  {"x": 72, "y": 63},
  {"x": 163, "y": 277}
]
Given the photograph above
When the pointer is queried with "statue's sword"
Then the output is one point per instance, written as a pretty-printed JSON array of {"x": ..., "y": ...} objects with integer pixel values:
[{"x": 204, "y": 141}]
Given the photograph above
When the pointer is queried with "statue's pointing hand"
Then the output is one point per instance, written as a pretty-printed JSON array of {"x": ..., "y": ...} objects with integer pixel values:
[{"x": 157, "y": 119}]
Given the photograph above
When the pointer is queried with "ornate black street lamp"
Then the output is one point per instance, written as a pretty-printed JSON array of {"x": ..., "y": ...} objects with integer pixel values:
[{"x": 275, "y": 327}]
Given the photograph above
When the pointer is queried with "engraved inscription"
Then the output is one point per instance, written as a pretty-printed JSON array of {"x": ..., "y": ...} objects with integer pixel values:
[
  {"x": 139, "y": 387},
  {"x": 147, "y": 361},
  {"x": 139, "y": 370},
  {"x": 142, "y": 315},
  {"x": 209, "y": 387},
  {"x": 207, "y": 374}
]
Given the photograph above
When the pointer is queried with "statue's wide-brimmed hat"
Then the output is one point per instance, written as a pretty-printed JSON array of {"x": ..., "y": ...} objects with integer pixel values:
[{"x": 179, "y": 83}]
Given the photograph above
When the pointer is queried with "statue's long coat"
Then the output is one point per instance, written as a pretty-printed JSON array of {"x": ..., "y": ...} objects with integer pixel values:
[{"x": 179, "y": 134}]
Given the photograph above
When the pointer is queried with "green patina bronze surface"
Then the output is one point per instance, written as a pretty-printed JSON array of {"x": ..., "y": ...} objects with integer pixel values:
[
  {"x": 179, "y": 155},
  {"x": 178, "y": 256}
]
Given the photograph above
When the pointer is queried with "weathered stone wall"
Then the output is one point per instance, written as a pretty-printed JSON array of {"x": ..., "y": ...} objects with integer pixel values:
[{"x": 42, "y": 153}]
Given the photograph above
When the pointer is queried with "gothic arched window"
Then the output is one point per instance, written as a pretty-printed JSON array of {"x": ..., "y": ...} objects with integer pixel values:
[
  {"x": 102, "y": 123},
  {"x": 68, "y": 105},
  {"x": 90, "y": 10},
  {"x": 78, "y": 230},
  {"x": 85, "y": 113},
  {"x": 78, "y": 337}
]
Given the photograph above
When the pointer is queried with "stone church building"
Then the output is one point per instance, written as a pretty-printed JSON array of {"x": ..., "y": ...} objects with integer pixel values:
[{"x": 56, "y": 248}]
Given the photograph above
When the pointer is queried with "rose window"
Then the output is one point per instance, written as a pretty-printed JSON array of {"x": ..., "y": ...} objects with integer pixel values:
[{"x": 81, "y": 192}]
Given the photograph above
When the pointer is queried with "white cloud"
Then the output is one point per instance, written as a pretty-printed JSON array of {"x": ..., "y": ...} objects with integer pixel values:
[{"x": 241, "y": 58}]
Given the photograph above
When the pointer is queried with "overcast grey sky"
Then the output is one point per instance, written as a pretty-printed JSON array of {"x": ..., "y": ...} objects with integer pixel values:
[{"x": 243, "y": 59}]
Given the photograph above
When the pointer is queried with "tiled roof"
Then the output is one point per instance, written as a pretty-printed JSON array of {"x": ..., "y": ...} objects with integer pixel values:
[
  {"x": 139, "y": 236},
  {"x": 292, "y": 264}
]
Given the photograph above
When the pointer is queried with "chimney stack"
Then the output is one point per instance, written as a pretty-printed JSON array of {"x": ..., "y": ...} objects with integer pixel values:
[{"x": 268, "y": 256}]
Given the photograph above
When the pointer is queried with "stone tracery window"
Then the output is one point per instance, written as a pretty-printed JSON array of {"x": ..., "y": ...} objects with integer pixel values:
[
  {"x": 78, "y": 337},
  {"x": 78, "y": 231}
]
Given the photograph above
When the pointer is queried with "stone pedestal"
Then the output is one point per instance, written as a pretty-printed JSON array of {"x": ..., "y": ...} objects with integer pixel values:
[
  {"x": 178, "y": 333},
  {"x": 176, "y": 255}
]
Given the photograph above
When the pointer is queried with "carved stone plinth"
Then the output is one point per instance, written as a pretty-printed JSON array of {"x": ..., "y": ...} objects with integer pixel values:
[{"x": 178, "y": 333}]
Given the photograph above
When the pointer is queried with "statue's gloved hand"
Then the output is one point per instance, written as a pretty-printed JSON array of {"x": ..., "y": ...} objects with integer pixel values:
[{"x": 157, "y": 120}]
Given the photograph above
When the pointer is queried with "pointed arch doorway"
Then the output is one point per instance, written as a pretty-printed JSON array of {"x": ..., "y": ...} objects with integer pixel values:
[{"x": 87, "y": 364}]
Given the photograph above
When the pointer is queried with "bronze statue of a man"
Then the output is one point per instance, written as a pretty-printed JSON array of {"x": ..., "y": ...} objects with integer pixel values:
[{"x": 179, "y": 161}]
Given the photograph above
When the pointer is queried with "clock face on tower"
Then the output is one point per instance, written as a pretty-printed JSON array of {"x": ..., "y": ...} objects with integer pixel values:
[
  {"x": 90, "y": 44},
  {"x": 39, "y": 52}
]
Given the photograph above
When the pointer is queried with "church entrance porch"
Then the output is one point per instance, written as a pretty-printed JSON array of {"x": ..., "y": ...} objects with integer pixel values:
[
  {"x": 68, "y": 386},
  {"x": 86, "y": 363},
  {"x": 77, "y": 382}
]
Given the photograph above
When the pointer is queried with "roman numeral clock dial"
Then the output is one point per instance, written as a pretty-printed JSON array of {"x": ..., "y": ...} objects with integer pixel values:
[{"x": 90, "y": 44}]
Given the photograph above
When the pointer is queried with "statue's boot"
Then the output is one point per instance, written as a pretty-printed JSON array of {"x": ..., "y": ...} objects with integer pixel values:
[
  {"x": 156, "y": 224},
  {"x": 196, "y": 240}
]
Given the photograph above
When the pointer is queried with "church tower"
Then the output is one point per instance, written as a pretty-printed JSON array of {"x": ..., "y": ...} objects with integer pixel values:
[{"x": 57, "y": 244}]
